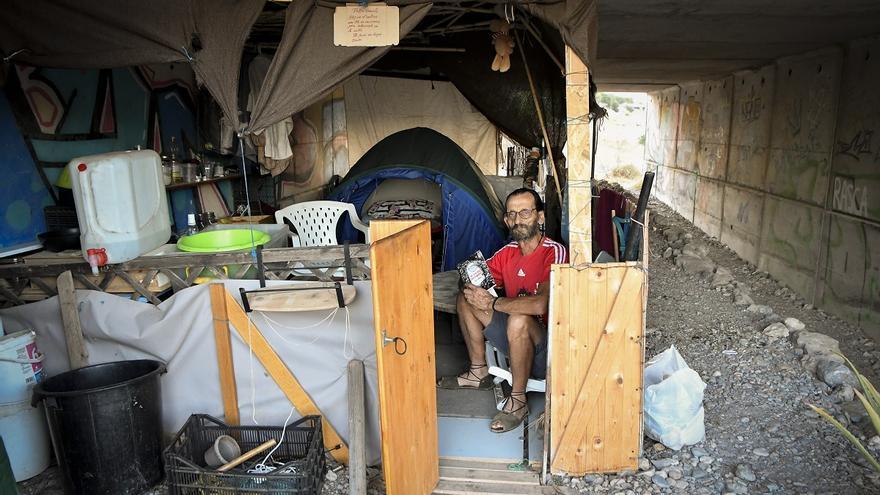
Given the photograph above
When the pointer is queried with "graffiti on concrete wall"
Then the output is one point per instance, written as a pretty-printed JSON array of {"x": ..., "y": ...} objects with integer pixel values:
[
  {"x": 848, "y": 197},
  {"x": 750, "y": 107},
  {"x": 858, "y": 145}
]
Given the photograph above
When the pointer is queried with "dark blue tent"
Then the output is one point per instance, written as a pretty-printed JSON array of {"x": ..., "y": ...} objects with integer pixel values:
[{"x": 471, "y": 211}]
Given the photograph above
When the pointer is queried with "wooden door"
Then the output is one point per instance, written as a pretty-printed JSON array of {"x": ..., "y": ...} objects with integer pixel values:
[
  {"x": 400, "y": 260},
  {"x": 597, "y": 320}
]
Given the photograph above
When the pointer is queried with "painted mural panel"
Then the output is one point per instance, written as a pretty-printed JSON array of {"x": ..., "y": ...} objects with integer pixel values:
[
  {"x": 750, "y": 129},
  {"x": 708, "y": 206},
  {"x": 320, "y": 149},
  {"x": 855, "y": 187},
  {"x": 790, "y": 243},
  {"x": 690, "y": 111},
  {"x": 669, "y": 124},
  {"x": 741, "y": 228},
  {"x": 804, "y": 106},
  {"x": 715, "y": 128},
  {"x": 97, "y": 111},
  {"x": 22, "y": 191}
]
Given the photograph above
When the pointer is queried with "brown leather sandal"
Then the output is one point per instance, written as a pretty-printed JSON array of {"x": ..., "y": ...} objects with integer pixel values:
[
  {"x": 505, "y": 421},
  {"x": 469, "y": 377}
]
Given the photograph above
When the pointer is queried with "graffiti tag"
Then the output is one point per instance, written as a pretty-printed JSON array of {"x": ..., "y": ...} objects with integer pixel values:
[
  {"x": 860, "y": 144},
  {"x": 751, "y": 106},
  {"x": 850, "y": 198}
]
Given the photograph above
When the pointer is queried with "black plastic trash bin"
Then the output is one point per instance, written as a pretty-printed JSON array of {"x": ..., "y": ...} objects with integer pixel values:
[{"x": 105, "y": 423}]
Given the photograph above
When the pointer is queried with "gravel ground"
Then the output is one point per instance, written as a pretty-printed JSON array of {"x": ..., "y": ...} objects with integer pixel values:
[{"x": 760, "y": 435}]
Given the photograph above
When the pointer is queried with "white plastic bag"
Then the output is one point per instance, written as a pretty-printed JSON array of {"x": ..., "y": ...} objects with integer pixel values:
[{"x": 673, "y": 401}]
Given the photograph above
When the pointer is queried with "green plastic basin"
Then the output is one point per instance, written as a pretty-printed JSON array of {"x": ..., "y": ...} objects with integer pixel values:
[{"x": 217, "y": 241}]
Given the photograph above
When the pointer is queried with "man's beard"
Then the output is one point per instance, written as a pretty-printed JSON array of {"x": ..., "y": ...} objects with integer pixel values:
[{"x": 521, "y": 232}]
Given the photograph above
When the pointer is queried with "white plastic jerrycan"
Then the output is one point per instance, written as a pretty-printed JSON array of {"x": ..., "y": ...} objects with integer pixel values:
[{"x": 121, "y": 205}]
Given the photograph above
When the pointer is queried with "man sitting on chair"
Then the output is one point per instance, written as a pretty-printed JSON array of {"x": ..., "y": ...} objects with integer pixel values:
[{"x": 516, "y": 324}]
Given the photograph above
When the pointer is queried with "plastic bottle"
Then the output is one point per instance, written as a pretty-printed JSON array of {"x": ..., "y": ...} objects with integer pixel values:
[{"x": 191, "y": 227}]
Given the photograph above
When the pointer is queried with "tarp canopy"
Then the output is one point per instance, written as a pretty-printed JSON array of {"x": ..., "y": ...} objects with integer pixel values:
[
  {"x": 211, "y": 34},
  {"x": 471, "y": 211}
]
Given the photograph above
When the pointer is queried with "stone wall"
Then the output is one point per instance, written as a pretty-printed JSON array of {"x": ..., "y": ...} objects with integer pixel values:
[{"x": 782, "y": 164}]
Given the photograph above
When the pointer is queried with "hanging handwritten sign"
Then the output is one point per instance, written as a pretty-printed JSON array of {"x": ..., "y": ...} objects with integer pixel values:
[{"x": 377, "y": 24}]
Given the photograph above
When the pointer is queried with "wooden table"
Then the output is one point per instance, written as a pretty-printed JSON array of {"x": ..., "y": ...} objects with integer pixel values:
[{"x": 446, "y": 291}]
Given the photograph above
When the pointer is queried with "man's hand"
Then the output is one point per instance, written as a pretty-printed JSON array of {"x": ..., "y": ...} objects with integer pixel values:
[{"x": 478, "y": 297}]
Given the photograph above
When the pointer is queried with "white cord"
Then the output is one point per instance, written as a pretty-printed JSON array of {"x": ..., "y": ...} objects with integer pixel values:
[
  {"x": 253, "y": 383},
  {"x": 280, "y": 440},
  {"x": 347, "y": 355}
]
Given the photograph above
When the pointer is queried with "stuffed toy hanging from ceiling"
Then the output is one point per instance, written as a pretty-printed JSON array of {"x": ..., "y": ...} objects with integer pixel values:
[{"x": 503, "y": 42}]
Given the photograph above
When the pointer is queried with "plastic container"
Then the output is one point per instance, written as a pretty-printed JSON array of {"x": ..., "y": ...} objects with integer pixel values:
[
  {"x": 24, "y": 432},
  {"x": 279, "y": 234},
  {"x": 218, "y": 241},
  {"x": 301, "y": 450},
  {"x": 121, "y": 205},
  {"x": 106, "y": 428},
  {"x": 21, "y": 366}
]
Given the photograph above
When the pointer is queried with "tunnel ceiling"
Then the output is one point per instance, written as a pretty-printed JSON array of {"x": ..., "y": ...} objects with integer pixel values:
[{"x": 650, "y": 44}]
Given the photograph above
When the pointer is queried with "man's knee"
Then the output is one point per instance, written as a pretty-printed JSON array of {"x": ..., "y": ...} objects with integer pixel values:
[{"x": 518, "y": 327}]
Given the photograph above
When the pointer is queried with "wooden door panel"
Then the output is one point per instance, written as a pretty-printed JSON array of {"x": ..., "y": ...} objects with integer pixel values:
[{"x": 400, "y": 259}]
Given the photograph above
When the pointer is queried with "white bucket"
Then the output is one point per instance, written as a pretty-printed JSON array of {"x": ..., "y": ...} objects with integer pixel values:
[
  {"x": 21, "y": 366},
  {"x": 26, "y": 436}
]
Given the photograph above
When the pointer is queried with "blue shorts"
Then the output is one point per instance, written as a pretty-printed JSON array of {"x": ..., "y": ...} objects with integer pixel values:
[{"x": 496, "y": 334}]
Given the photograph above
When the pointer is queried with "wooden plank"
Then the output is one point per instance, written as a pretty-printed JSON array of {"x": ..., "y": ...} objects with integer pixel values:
[
  {"x": 320, "y": 297},
  {"x": 9, "y": 294},
  {"x": 86, "y": 282},
  {"x": 488, "y": 476},
  {"x": 140, "y": 289},
  {"x": 282, "y": 375},
  {"x": 357, "y": 463},
  {"x": 53, "y": 266},
  {"x": 448, "y": 487},
  {"x": 386, "y": 228},
  {"x": 402, "y": 309},
  {"x": 579, "y": 131},
  {"x": 43, "y": 286},
  {"x": 76, "y": 348},
  {"x": 107, "y": 280},
  {"x": 596, "y": 398},
  {"x": 177, "y": 283},
  {"x": 480, "y": 464},
  {"x": 225, "y": 364}
]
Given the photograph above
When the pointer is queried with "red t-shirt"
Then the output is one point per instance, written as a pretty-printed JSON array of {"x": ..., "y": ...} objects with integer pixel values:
[{"x": 520, "y": 275}]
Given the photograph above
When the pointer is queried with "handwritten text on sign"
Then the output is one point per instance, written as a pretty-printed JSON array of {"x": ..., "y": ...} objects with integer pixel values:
[{"x": 375, "y": 25}]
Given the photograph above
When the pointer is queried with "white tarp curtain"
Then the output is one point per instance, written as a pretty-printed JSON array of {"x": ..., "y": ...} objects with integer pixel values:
[
  {"x": 376, "y": 107},
  {"x": 180, "y": 333}
]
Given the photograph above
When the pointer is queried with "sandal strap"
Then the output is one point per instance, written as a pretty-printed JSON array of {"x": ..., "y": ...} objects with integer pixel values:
[
  {"x": 516, "y": 397},
  {"x": 470, "y": 375}
]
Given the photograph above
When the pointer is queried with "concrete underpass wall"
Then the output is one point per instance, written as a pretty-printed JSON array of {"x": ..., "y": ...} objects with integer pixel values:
[{"x": 782, "y": 164}]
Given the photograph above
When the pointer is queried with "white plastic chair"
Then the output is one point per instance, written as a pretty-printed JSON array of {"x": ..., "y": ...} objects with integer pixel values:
[
  {"x": 315, "y": 223},
  {"x": 499, "y": 367}
]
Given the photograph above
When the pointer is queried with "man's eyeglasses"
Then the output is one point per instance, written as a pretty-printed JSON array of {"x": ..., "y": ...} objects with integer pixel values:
[{"x": 524, "y": 214}]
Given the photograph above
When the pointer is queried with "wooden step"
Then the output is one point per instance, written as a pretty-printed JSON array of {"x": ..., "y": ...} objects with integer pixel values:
[{"x": 478, "y": 477}]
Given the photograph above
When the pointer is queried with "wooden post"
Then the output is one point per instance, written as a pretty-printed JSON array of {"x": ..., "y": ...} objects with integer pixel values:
[
  {"x": 76, "y": 349},
  {"x": 225, "y": 365},
  {"x": 577, "y": 107},
  {"x": 357, "y": 459}
]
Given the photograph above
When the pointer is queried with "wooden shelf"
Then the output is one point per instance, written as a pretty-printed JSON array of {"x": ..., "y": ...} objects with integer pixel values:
[{"x": 184, "y": 185}]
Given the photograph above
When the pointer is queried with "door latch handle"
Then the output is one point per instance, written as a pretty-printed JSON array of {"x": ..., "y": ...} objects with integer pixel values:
[{"x": 399, "y": 344}]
